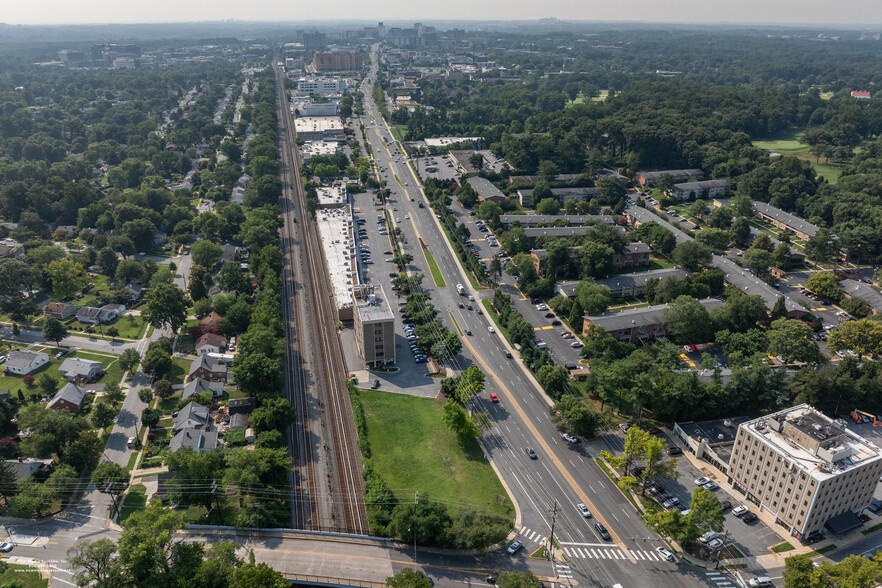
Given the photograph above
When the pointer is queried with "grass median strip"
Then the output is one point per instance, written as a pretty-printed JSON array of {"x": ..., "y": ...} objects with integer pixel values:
[
  {"x": 783, "y": 547},
  {"x": 433, "y": 267}
]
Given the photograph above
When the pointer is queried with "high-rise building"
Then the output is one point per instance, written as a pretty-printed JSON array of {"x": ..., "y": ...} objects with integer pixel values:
[
  {"x": 313, "y": 40},
  {"x": 337, "y": 61},
  {"x": 805, "y": 469}
]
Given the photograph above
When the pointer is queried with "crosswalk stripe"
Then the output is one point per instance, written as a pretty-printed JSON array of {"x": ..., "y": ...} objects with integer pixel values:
[
  {"x": 639, "y": 555},
  {"x": 567, "y": 552},
  {"x": 532, "y": 535},
  {"x": 653, "y": 556},
  {"x": 604, "y": 553},
  {"x": 619, "y": 554},
  {"x": 593, "y": 553}
]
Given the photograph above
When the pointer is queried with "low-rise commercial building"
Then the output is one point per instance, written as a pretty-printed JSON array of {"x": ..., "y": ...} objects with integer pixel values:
[
  {"x": 307, "y": 86},
  {"x": 374, "y": 325},
  {"x": 338, "y": 244},
  {"x": 711, "y": 441},
  {"x": 336, "y": 196},
  {"x": 806, "y": 469},
  {"x": 486, "y": 190},
  {"x": 312, "y": 128},
  {"x": 638, "y": 325}
]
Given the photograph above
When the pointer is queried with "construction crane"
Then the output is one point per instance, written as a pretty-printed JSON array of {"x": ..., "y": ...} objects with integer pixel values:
[{"x": 860, "y": 416}]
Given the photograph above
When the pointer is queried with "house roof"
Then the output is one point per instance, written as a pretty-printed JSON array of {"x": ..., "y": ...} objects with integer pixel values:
[
  {"x": 195, "y": 439},
  {"x": 242, "y": 404},
  {"x": 192, "y": 415},
  {"x": 871, "y": 296},
  {"x": 484, "y": 188},
  {"x": 641, "y": 317},
  {"x": 622, "y": 281},
  {"x": 22, "y": 468},
  {"x": 218, "y": 341},
  {"x": 89, "y": 312},
  {"x": 212, "y": 364},
  {"x": 212, "y": 318},
  {"x": 789, "y": 220},
  {"x": 573, "y": 219},
  {"x": 637, "y": 247},
  {"x": 197, "y": 386},
  {"x": 22, "y": 359},
  {"x": 77, "y": 366},
  {"x": 239, "y": 421},
  {"x": 58, "y": 307},
  {"x": 703, "y": 185},
  {"x": 534, "y": 232},
  {"x": 71, "y": 393}
]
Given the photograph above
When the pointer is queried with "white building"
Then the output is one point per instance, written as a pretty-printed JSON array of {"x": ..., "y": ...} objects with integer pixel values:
[{"x": 321, "y": 85}]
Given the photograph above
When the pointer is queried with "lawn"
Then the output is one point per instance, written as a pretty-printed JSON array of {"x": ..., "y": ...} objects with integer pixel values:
[
  {"x": 24, "y": 576},
  {"x": 135, "y": 500},
  {"x": 433, "y": 267},
  {"x": 129, "y": 327},
  {"x": 412, "y": 449},
  {"x": 783, "y": 547},
  {"x": 113, "y": 371},
  {"x": 785, "y": 144},
  {"x": 180, "y": 369},
  {"x": 580, "y": 99}
]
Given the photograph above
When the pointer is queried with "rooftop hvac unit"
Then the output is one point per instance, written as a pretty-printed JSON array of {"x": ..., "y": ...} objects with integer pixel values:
[{"x": 727, "y": 422}]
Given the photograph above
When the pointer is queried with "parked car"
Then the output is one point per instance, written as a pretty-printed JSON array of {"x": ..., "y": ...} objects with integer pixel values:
[
  {"x": 711, "y": 486},
  {"x": 506, "y": 353},
  {"x": 6, "y": 547},
  {"x": 760, "y": 582},
  {"x": 576, "y": 344},
  {"x": 702, "y": 481},
  {"x": 584, "y": 510},
  {"x": 375, "y": 384},
  {"x": 674, "y": 451},
  {"x": 749, "y": 518},
  {"x": 714, "y": 544},
  {"x": 739, "y": 510},
  {"x": 671, "y": 502},
  {"x": 726, "y": 505}
]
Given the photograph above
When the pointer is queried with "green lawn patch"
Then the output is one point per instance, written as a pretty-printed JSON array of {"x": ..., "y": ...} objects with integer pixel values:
[
  {"x": 872, "y": 529},
  {"x": 179, "y": 371},
  {"x": 412, "y": 449},
  {"x": 783, "y": 547},
  {"x": 128, "y": 326},
  {"x": 400, "y": 183},
  {"x": 135, "y": 500},
  {"x": 785, "y": 143},
  {"x": 491, "y": 312},
  {"x": 823, "y": 550},
  {"x": 829, "y": 171},
  {"x": 236, "y": 394},
  {"x": 169, "y": 404},
  {"x": 433, "y": 267},
  {"x": 24, "y": 576},
  {"x": 132, "y": 459}
]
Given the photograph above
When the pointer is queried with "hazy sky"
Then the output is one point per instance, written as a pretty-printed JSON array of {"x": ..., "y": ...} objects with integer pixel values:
[{"x": 858, "y": 12}]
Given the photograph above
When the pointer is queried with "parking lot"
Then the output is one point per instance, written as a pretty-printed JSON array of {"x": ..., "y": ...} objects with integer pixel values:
[{"x": 751, "y": 539}]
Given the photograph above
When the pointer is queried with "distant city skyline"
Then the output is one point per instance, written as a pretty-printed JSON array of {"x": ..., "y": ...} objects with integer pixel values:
[{"x": 861, "y": 13}]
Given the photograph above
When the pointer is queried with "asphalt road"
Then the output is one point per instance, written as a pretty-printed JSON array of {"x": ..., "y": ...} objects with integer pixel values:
[{"x": 562, "y": 474}]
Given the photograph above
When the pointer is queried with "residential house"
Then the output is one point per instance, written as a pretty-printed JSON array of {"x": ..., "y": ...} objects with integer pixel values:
[
  {"x": 40, "y": 299},
  {"x": 197, "y": 440},
  {"x": 59, "y": 310},
  {"x": 22, "y": 363},
  {"x": 210, "y": 368},
  {"x": 212, "y": 320},
  {"x": 211, "y": 343},
  {"x": 193, "y": 415},
  {"x": 15, "y": 251},
  {"x": 242, "y": 405},
  {"x": 870, "y": 295},
  {"x": 27, "y": 467},
  {"x": 638, "y": 325},
  {"x": 197, "y": 386},
  {"x": 705, "y": 189},
  {"x": 110, "y": 311},
  {"x": 70, "y": 398},
  {"x": 75, "y": 369},
  {"x": 90, "y": 315},
  {"x": 134, "y": 291}
]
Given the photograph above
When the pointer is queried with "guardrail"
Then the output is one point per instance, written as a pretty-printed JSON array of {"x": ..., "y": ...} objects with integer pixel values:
[{"x": 330, "y": 581}]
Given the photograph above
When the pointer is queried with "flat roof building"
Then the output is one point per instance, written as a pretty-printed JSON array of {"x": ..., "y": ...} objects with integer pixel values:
[
  {"x": 310, "y": 148},
  {"x": 624, "y": 285},
  {"x": 804, "y": 468},
  {"x": 374, "y": 325},
  {"x": 649, "y": 178},
  {"x": 312, "y": 128},
  {"x": 711, "y": 441},
  {"x": 563, "y": 195},
  {"x": 335, "y": 196},
  {"x": 338, "y": 244}
]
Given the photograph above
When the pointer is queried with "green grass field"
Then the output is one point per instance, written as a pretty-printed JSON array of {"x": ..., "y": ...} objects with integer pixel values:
[
  {"x": 24, "y": 576},
  {"x": 580, "y": 99},
  {"x": 136, "y": 500},
  {"x": 412, "y": 449},
  {"x": 113, "y": 373},
  {"x": 180, "y": 368},
  {"x": 786, "y": 144}
]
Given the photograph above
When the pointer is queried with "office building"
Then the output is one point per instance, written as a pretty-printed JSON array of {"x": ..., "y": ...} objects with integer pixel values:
[
  {"x": 807, "y": 470},
  {"x": 308, "y": 86},
  {"x": 374, "y": 325},
  {"x": 337, "y": 61}
]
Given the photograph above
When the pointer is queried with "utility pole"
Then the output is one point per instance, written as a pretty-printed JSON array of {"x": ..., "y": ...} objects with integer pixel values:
[
  {"x": 220, "y": 511},
  {"x": 416, "y": 501},
  {"x": 551, "y": 536}
]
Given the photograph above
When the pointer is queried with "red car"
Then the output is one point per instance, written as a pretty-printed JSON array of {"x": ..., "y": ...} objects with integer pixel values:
[
  {"x": 460, "y": 305},
  {"x": 654, "y": 431},
  {"x": 493, "y": 397}
]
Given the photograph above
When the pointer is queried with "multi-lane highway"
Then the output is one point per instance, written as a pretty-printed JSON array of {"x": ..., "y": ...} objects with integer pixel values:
[{"x": 563, "y": 474}]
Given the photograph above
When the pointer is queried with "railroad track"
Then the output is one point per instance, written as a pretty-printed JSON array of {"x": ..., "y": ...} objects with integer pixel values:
[{"x": 311, "y": 323}]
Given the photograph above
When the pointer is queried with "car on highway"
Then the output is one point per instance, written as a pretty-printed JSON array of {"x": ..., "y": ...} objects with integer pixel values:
[
  {"x": 493, "y": 397},
  {"x": 569, "y": 438},
  {"x": 514, "y": 547},
  {"x": 739, "y": 510},
  {"x": 6, "y": 547},
  {"x": 529, "y": 451},
  {"x": 461, "y": 305},
  {"x": 584, "y": 510},
  {"x": 602, "y": 530},
  {"x": 469, "y": 307},
  {"x": 468, "y": 332},
  {"x": 506, "y": 352},
  {"x": 702, "y": 481},
  {"x": 665, "y": 554}
]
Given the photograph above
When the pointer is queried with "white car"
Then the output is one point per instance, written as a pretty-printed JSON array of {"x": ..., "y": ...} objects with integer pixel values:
[
  {"x": 491, "y": 329},
  {"x": 584, "y": 510},
  {"x": 739, "y": 510},
  {"x": 665, "y": 554},
  {"x": 542, "y": 307},
  {"x": 576, "y": 344},
  {"x": 760, "y": 581},
  {"x": 715, "y": 544},
  {"x": 711, "y": 486},
  {"x": 702, "y": 481},
  {"x": 569, "y": 438},
  {"x": 6, "y": 547}
]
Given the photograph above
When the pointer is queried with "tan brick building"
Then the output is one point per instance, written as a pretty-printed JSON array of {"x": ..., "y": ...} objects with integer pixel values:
[{"x": 804, "y": 468}]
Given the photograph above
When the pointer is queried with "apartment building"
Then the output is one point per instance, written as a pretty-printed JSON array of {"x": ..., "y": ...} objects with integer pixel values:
[
  {"x": 374, "y": 325},
  {"x": 806, "y": 469}
]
